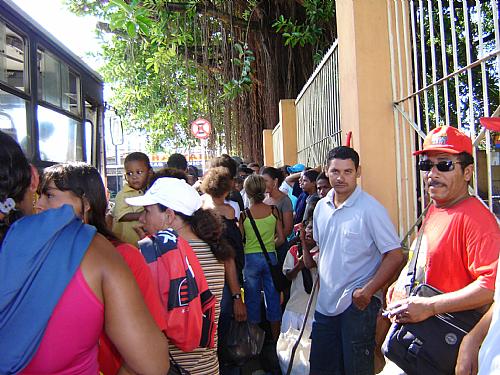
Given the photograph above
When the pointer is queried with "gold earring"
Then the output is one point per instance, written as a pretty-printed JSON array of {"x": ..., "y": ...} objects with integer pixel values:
[{"x": 34, "y": 200}]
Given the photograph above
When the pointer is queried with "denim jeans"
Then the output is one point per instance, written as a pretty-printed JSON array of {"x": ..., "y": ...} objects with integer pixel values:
[
  {"x": 344, "y": 344},
  {"x": 257, "y": 277}
]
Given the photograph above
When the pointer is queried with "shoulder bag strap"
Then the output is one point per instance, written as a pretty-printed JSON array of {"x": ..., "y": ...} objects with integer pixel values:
[
  {"x": 259, "y": 238},
  {"x": 412, "y": 266},
  {"x": 406, "y": 238},
  {"x": 302, "y": 329}
]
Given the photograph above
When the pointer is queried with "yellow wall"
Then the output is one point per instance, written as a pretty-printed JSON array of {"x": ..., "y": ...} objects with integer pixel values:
[
  {"x": 289, "y": 131},
  {"x": 268, "y": 146},
  {"x": 366, "y": 99},
  {"x": 283, "y": 138},
  {"x": 366, "y": 95}
]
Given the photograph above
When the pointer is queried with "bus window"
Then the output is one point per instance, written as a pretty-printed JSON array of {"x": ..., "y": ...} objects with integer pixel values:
[
  {"x": 89, "y": 141},
  {"x": 57, "y": 83},
  {"x": 13, "y": 118},
  {"x": 59, "y": 137},
  {"x": 12, "y": 47}
]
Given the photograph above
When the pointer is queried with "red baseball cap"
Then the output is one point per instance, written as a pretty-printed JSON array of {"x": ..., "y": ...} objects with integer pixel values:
[{"x": 446, "y": 139}]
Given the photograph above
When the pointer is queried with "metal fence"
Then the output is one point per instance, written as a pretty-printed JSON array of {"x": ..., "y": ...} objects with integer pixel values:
[
  {"x": 318, "y": 112},
  {"x": 445, "y": 71}
]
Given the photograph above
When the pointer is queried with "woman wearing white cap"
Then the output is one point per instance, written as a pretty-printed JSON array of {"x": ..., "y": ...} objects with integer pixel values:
[{"x": 172, "y": 203}]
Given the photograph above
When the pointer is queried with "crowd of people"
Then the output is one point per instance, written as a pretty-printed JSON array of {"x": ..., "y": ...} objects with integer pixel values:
[{"x": 152, "y": 283}]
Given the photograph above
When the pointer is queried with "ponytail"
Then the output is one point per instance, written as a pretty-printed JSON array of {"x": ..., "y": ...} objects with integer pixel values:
[
  {"x": 207, "y": 226},
  {"x": 7, "y": 221},
  {"x": 15, "y": 179}
]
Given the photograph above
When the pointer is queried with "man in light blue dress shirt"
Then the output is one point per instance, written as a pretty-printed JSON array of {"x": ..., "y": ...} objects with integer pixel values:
[{"x": 359, "y": 253}]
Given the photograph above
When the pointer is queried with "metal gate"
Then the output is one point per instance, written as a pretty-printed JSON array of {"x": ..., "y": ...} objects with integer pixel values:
[
  {"x": 318, "y": 112},
  {"x": 445, "y": 60}
]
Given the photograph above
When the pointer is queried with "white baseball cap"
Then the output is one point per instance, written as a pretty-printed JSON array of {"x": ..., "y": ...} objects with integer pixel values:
[{"x": 172, "y": 193}]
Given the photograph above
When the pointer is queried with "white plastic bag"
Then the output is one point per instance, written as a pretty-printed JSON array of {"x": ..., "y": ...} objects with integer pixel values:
[{"x": 284, "y": 347}]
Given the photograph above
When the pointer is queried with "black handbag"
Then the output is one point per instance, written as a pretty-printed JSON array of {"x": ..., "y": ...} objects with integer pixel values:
[
  {"x": 243, "y": 342},
  {"x": 280, "y": 281},
  {"x": 430, "y": 346}
]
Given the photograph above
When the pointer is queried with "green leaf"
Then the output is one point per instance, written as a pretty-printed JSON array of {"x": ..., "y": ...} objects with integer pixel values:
[
  {"x": 144, "y": 28},
  {"x": 144, "y": 19},
  {"x": 238, "y": 48},
  {"x": 131, "y": 31},
  {"x": 121, "y": 4}
]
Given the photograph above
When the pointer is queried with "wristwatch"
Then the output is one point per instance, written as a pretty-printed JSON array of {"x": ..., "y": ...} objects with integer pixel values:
[{"x": 236, "y": 296}]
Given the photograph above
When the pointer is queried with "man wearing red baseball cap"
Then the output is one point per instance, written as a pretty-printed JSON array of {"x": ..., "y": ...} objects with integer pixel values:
[{"x": 460, "y": 243}]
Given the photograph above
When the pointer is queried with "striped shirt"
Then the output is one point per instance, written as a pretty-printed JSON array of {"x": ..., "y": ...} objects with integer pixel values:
[{"x": 203, "y": 361}]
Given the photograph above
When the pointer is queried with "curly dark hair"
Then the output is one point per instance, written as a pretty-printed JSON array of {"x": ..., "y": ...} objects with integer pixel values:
[
  {"x": 217, "y": 182},
  {"x": 168, "y": 172},
  {"x": 138, "y": 156},
  {"x": 15, "y": 178},
  {"x": 225, "y": 161},
  {"x": 208, "y": 226},
  {"x": 177, "y": 161}
]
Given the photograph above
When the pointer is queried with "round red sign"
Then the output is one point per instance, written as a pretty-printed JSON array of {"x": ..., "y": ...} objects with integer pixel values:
[{"x": 201, "y": 128}]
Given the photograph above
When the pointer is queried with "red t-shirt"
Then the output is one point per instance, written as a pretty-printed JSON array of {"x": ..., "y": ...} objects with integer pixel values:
[
  {"x": 109, "y": 358},
  {"x": 462, "y": 244}
]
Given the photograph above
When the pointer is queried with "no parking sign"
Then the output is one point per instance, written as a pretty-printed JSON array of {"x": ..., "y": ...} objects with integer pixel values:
[{"x": 201, "y": 128}]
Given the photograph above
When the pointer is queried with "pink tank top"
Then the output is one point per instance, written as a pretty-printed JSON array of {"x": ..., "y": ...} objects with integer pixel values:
[{"x": 69, "y": 345}]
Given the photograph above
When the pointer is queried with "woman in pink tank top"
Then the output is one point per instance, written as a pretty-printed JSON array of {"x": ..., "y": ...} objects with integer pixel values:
[
  {"x": 64, "y": 336},
  {"x": 80, "y": 185},
  {"x": 102, "y": 294}
]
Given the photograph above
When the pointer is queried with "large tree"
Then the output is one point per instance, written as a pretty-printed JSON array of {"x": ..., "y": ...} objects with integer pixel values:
[{"x": 229, "y": 61}]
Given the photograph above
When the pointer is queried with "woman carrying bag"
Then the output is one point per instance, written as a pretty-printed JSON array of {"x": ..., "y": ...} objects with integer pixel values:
[
  {"x": 176, "y": 222},
  {"x": 257, "y": 272}
]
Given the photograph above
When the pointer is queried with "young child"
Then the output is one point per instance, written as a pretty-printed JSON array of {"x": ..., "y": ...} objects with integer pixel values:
[
  {"x": 292, "y": 268},
  {"x": 125, "y": 217}
]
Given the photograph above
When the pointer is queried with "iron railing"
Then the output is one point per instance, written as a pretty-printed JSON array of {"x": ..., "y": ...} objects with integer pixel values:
[
  {"x": 318, "y": 112},
  {"x": 445, "y": 59}
]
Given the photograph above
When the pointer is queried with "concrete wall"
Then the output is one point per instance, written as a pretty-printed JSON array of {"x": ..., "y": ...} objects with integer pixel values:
[
  {"x": 284, "y": 136},
  {"x": 366, "y": 98},
  {"x": 289, "y": 131},
  {"x": 267, "y": 143},
  {"x": 366, "y": 95}
]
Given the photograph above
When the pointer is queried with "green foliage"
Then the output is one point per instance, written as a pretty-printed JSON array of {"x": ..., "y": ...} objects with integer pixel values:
[
  {"x": 235, "y": 87},
  {"x": 247, "y": 13},
  {"x": 310, "y": 31},
  {"x": 169, "y": 62},
  {"x": 162, "y": 72},
  {"x": 155, "y": 88},
  {"x": 128, "y": 17}
]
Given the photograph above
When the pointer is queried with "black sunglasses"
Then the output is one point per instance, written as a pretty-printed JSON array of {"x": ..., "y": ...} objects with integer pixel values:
[{"x": 442, "y": 166}]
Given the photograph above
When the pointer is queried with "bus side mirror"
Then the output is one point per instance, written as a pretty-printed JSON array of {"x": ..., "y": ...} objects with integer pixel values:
[{"x": 116, "y": 130}]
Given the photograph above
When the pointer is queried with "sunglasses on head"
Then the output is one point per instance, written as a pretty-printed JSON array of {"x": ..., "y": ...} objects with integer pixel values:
[{"x": 442, "y": 166}]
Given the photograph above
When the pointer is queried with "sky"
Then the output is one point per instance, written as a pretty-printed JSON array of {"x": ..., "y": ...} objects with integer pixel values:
[{"x": 76, "y": 33}]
